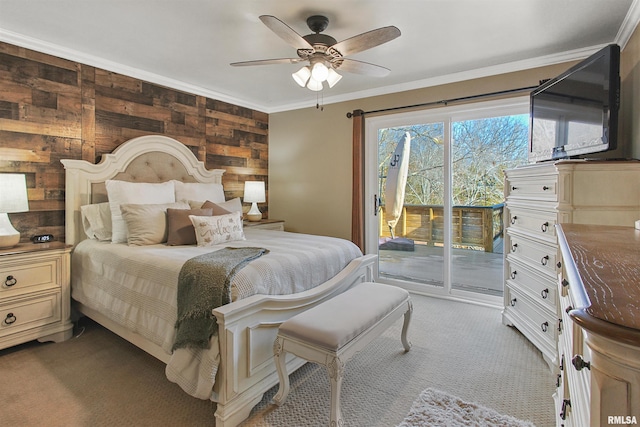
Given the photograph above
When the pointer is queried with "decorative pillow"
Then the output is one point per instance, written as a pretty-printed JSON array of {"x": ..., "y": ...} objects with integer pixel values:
[
  {"x": 233, "y": 205},
  {"x": 212, "y": 230},
  {"x": 180, "y": 228},
  {"x": 123, "y": 192},
  {"x": 147, "y": 224},
  {"x": 199, "y": 191},
  {"x": 96, "y": 220}
]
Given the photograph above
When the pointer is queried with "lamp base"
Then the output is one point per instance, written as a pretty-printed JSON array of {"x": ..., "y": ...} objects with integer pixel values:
[
  {"x": 254, "y": 213},
  {"x": 9, "y": 236}
]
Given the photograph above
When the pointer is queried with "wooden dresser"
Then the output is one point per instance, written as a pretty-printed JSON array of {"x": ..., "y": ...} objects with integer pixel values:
[
  {"x": 537, "y": 197},
  {"x": 599, "y": 337}
]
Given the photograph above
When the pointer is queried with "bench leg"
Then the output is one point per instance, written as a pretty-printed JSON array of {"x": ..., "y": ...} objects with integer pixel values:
[
  {"x": 335, "y": 368},
  {"x": 405, "y": 327},
  {"x": 280, "y": 359}
]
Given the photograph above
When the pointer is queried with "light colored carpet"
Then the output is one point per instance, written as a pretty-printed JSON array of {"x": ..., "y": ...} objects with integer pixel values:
[
  {"x": 98, "y": 379},
  {"x": 437, "y": 408}
]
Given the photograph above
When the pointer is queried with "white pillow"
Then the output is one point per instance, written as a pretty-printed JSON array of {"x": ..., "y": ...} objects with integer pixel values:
[
  {"x": 147, "y": 224},
  {"x": 121, "y": 192},
  {"x": 233, "y": 205},
  {"x": 212, "y": 230},
  {"x": 96, "y": 221},
  {"x": 199, "y": 191}
]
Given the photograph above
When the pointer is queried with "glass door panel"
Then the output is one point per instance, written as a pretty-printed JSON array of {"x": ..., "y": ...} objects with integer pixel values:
[
  {"x": 481, "y": 150},
  {"x": 411, "y": 237}
]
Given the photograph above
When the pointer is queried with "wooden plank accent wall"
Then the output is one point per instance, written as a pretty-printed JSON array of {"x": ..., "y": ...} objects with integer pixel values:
[{"x": 52, "y": 109}]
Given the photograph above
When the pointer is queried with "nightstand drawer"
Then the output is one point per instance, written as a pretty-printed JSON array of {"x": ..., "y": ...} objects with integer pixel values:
[
  {"x": 20, "y": 276},
  {"x": 27, "y": 313}
]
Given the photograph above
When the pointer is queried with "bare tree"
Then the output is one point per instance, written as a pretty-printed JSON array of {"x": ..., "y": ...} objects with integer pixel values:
[{"x": 482, "y": 149}]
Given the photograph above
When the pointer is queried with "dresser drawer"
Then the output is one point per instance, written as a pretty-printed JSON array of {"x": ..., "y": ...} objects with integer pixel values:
[
  {"x": 540, "y": 257},
  {"x": 539, "y": 224},
  {"x": 22, "y": 314},
  {"x": 543, "y": 187},
  {"x": 24, "y": 275},
  {"x": 533, "y": 321},
  {"x": 539, "y": 288}
]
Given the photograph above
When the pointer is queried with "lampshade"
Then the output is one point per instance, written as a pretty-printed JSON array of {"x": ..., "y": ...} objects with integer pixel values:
[
  {"x": 254, "y": 193},
  {"x": 314, "y": 85},
  {"x": 333, "y": 77},
  {"x": 13, "y": 198},
  {"x": 302, "y": 76},
  {"x": 13, "y": 193},
  {"x": 319, "y": 72}
]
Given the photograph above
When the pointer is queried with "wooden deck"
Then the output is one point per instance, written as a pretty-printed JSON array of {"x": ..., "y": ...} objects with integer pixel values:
[{"x": 472, "y": 270}]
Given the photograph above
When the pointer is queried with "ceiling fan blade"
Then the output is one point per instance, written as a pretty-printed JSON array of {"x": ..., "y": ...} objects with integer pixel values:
[
  {"x": 366, "y": 40},
  {"x": 359, "y": 67},
  {"x": 285, "y": 32},
  {"x": 267, "y": 62}
]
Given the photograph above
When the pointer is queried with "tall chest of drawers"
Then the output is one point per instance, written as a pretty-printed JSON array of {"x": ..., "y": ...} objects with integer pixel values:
[
  {"x": 537, "y": 197},
  {"x": 34, "y": 293}
]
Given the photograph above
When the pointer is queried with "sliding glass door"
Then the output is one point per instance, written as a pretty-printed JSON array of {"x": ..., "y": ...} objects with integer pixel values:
[{"x": 434, "y": 181}]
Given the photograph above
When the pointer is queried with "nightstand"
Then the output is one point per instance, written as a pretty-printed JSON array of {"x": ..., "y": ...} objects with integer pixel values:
[
  {"x": 35, "y": 300},
  {"x": 266, "y": 224}
]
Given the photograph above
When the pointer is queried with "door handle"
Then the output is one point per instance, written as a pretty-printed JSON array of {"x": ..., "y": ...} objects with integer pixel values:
[{"x": 376, "y": 204}]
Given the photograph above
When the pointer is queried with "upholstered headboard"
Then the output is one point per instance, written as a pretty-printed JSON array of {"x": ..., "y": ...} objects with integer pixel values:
[{"x": 152, "y": 158}]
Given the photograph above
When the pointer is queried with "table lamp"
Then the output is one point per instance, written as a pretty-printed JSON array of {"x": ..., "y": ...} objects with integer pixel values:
[
  {"x": 13, "y": 198},
  {"x": 254, "y": 193}
]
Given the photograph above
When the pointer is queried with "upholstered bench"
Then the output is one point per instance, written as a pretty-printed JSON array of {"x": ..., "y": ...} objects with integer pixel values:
[{"x": 332, "y": 332}]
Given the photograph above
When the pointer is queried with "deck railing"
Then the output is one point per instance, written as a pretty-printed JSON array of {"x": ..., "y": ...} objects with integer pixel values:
[{"x": 472, "y": 226}]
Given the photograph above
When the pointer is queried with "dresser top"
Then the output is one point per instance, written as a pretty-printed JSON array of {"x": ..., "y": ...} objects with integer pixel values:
[{"x": 607, "y": 260}]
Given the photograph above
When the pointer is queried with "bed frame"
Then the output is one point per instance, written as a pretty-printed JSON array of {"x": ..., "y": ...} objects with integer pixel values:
[{"x": 248, "y": 327}]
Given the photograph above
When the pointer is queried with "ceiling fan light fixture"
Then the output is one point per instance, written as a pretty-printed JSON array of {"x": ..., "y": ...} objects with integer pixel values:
[
  {"x": 333, "y": 77},
  {"x": 319, "y": 72},
  {"x": 302, "y": 76},
  {"x": 314, "y": 85}
]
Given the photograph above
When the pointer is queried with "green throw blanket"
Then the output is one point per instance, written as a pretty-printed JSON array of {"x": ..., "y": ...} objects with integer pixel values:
[{"x": 203, "y": 284}]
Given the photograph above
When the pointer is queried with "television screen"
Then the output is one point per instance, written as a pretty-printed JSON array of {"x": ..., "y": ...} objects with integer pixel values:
[{"x": 576, "y": 113}]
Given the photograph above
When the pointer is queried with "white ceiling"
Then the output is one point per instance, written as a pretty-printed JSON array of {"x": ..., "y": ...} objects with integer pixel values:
[{"x": 188, "y": 44}]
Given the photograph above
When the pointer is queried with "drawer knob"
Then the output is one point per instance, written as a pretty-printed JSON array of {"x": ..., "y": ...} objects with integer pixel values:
[
  {"x": 559, "y": 264},
  {"x": 544, "y": 293},
  {"x": 10, "y": 281},
  {"x": 558, "y": 380},
  {"x": 579, "y": 363},
  {"x": 514, "y": 247},
  {"x": 568, "y": 309},
  {"x": 544, "y": 227},
  {"x": 565, "y": 282},
  {"x": 513, "y": 274},
  {"x": 514, "y": 188},
  {"x": 513, "y": 219},
  {"x": 559, "y": 325},
  {"x": 10, "y": 319},
  {"x": 544, "y": 326},
  {"x": 544, "y": 260},
  {"x": 513, "y": 302},
  {"x": 545, "y": 188}
]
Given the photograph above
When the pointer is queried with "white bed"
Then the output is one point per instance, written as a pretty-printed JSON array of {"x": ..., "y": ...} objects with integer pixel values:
[{"x": 138, "y": 303}]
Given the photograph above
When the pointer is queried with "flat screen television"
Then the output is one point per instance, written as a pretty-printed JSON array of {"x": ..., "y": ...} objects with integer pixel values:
[{"x": 576, "y": 114}]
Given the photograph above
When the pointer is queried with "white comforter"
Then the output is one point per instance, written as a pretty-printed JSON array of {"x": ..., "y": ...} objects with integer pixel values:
[{"x": 136, "y": 286}]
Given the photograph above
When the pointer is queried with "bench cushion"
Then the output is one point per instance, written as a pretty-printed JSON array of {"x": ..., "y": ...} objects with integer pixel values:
[{"x": 335, "y": 322}]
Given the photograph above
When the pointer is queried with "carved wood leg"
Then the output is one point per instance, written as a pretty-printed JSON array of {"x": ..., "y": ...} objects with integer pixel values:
[
  {"x": 279, "y": 355},
  {"x": 405, "y": 327},
  {"x": 335, "y": 368}
]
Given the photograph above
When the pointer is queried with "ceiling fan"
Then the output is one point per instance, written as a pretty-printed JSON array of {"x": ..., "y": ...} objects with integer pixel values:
[{"x": 324, "y": 54}]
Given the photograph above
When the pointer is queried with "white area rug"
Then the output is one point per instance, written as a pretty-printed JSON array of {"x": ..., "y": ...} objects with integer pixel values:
[{"x": 436, "y": 408}]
